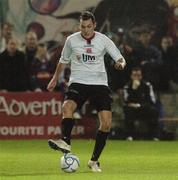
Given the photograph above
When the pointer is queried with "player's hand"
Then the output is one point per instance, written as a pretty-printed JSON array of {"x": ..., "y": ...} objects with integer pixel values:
[
  {"x": 120, "y": 64},
  {"x": 52, "y": 84}
]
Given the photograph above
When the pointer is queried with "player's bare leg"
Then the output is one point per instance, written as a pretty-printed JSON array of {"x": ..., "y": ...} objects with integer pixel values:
[
  {"x": 105, "y": 118},
  {"x": 67, "y": 124}
]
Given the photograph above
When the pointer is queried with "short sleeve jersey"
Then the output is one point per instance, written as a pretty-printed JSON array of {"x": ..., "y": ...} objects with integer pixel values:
[{"x": 87, "y": 58}]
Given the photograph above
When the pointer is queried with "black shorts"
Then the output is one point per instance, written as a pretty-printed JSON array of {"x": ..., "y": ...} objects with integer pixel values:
[{"x": 98, "y": 95}]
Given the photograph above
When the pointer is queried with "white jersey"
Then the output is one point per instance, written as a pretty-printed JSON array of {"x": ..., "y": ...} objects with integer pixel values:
[{"x": 87, "y": 58}]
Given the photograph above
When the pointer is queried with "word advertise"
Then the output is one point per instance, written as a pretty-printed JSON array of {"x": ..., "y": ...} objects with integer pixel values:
[{"x": 37, "y": 116}]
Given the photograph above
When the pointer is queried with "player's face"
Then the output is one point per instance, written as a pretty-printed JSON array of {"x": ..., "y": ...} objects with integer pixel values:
[{"x": 87, "y": 28}]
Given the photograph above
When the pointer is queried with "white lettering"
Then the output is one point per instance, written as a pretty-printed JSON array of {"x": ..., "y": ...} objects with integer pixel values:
[
  {"x": 33, "y": 129},
  {"x": 4, "y": 131},
  {"x": 52, "y": 130},
  {"x": 14, "y": 108},
  {"x": 36, "y": 108},
  {"x": 4, "y": 106},
  {"x": 25, "y": 109},
  {"x": 46, "y": 104},
  {"x": 56, "y": 107},
  {"x": 40, "y": 130},
  {"x": 78, "y": 130},
  {"x": 13, "y": 131},
  {"x": 22, "y": 130},
  {"x": 56, "y": 130}
]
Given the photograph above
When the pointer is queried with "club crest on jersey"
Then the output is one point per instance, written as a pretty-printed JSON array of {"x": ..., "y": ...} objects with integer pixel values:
[
  {"x": 89, "y": 50},
  {"x": 78, "y": 57}
]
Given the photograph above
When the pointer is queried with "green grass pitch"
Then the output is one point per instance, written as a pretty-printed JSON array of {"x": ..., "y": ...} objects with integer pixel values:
[{"x": 121, "y": 160}]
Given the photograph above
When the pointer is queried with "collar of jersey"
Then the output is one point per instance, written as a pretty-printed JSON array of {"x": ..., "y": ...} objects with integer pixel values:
[{"x": 88, "y": 39}]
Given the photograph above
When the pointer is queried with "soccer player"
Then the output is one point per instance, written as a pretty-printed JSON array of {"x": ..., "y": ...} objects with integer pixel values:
[{"x": 85, "y": 51}]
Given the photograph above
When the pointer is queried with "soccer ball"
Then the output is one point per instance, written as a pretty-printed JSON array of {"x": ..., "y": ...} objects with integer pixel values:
[{"x": 69, "y": 163}]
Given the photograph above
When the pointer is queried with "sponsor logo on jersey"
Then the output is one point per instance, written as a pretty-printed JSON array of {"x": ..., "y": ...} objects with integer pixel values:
[{"x": 88, "y": 58}]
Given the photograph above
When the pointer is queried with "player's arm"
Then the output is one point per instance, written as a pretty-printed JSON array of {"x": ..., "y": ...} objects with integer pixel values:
[
  {"x": 115, "y": 54},
  {"x": 52, "y": 84},
  {"x": 64, "y": 59}
]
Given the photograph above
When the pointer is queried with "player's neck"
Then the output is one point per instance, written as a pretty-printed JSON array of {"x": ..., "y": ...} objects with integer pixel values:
[{"x": 89, "y": 38}]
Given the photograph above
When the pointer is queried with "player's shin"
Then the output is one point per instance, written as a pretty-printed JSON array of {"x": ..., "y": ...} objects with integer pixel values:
[
  {"x": 100, "y": 142},
  {"x": 66, "y": 129}
]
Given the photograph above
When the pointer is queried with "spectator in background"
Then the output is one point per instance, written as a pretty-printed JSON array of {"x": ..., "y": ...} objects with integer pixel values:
[
  {"x": 30, "y": 48},
  {"x": 6, "y": 34},
  {"x": 139, "y": 105},
  {"x": 13, "y": 74},
  {"x": 148, "y": 57},
  {"x": 165, "y": 73},
  {"x": 41, "y": 69}
]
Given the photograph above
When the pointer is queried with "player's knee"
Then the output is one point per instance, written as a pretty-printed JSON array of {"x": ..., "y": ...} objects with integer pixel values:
[
  {"x": 68, "y": 109},
  {"x": 105, "y": 126}
]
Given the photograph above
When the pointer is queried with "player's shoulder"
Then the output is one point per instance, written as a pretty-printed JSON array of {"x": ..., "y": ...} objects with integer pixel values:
[
  {"x": 100, "y": 35},
  {"x": 102, "y": 38},
  {"x": 74, "y": 35}
]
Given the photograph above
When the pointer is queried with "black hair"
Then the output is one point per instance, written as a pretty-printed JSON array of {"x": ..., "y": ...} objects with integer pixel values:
[
  {"x": 136, "y": 69},
  {"x": 87, "y": 15}
]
